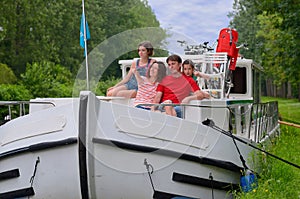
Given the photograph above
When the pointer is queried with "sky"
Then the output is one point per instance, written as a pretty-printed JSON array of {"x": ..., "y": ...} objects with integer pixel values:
[{"x": 197, "y": 21}]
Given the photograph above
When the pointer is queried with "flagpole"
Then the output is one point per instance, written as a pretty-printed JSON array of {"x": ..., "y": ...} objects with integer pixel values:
[{"x": 85, "y": 48}]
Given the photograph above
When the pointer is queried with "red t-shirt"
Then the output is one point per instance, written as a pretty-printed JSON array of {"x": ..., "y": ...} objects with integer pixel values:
[{"x": 176, "y": 89}]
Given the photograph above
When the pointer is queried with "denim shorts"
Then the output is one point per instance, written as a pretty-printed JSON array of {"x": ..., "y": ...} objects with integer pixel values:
[
  {"x": 178, "y": 111},
  {"x": 131, "y": 84}
]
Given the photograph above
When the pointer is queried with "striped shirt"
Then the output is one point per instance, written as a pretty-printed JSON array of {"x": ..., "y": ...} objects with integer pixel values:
[{"x": 146, "y": 92}]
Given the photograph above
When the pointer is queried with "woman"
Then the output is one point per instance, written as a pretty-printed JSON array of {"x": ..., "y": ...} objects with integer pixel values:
[
  {"x": 128, "y": 86},
  {"x": 147, "y": 85}
]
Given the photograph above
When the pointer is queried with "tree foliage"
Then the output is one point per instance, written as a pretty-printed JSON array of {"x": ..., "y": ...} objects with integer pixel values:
[
  {"x": 46, "y": 79},
  {"x": 275, "y": 56},
  {"x": 14, "y": 92},
  {"x": 7, "y": 76},
  {"x": 47, "y": 30},
  {"x": 40, "y": 30},
  {"x": 244, "y": 20},
  {"x": 275, "y": 29}
]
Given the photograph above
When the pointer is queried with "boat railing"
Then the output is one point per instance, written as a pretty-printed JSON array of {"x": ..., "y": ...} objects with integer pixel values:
[
  {"x": 251, "y": 121},
  {"x": 13, "y": 109},
  {"x": 214, "y": 67},
  {"x": 254, "y": 121},
  {"x": 265, "y": 118}
]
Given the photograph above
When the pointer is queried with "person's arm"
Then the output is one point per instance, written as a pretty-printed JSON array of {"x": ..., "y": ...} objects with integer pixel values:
[
  {"x": 202, "y": 75},
  {"x": 138, "y": 77},
  {"x": 156, "y": 100},
  {"x": 187, "y": 99},
  {"x": 205, "y": 95},
  {"x": 127, "y": 77},
  {"x": 201, "y": 95},
  {"x": 129, "y": 74},
  {"x": 197, "y": 95}
]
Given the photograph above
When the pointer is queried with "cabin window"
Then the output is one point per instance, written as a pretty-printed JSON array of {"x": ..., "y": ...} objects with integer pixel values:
[{"x": 239, "y": 80}]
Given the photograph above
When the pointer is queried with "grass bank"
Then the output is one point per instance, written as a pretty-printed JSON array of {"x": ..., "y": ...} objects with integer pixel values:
[{"x": 279, "y": 179}]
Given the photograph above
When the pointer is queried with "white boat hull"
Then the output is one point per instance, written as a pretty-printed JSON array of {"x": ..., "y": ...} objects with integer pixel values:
[{"x": 92, "y": 148}]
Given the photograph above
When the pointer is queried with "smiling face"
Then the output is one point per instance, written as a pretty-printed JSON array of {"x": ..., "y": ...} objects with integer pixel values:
[
  {"x": 174, "y": 66},
  {"x": 157, "y": 71},
  {"x": 154, "y": 70},
  {"x": 188, "y": 70}
]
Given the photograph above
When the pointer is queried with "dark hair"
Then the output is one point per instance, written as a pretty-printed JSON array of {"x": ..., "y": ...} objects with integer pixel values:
[
  {"x": 174, "y": 58},
  {"x": 190, "y": 62},
  {"x": 148, "y": 46},
  {"x": 162, "y": 71}
]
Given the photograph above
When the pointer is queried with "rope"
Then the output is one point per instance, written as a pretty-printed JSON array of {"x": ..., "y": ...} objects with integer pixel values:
[
  {"x": 211, "y": 124},
  {"x": 148, "y": 166},
  {"x": 237, "y": 148},
  {"x": 241, "y": 156},
  {"x": 34, "y": 171}
]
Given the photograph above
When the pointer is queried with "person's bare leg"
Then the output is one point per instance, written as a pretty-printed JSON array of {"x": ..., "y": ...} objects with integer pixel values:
[
  {"x": 109, "y": 93},
  {"x": 174, "y": 112},
  {"x": 170, "y": 111},
  {"x": 114, "y": 92},
  {"x": 126, "y": 93}
]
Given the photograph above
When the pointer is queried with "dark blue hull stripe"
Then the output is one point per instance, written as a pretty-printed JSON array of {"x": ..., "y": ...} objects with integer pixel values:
[
  {"x": 165, "y": 195},
  {"x": 5, "y": 175},
  {"x": 38, "y": 147},
  {"x": 201, "y": 160},
  {"x": 210, "y": 183},
  {"x": 17, "y": 193}
]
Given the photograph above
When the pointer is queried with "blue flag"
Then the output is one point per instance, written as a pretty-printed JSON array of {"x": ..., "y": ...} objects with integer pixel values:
[{"x": 88, "y": 36}]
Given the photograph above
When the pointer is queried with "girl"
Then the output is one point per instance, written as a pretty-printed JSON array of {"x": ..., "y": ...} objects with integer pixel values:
[
  {"x": 128, "y": 86},
  {"x": 147, "y": 85},
  {"x": 188, "y": 68}
]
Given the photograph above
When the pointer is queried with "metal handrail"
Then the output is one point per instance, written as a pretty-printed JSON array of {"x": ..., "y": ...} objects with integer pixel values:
[
  {"x": 22, "y": 108},
  {"x": 260, "y": 120}
]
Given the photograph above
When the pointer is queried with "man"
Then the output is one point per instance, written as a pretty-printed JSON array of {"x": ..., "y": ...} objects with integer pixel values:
[{"x": 177, "y": 88}]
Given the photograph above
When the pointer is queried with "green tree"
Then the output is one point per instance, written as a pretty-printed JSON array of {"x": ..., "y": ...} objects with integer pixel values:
[
  {"x": 7, "y": 76},
  {"x": 244, "y": 20},
  {"x": 39, "y": 30},
  {"x": 275, "y": 56},
  {"x": 46, "y": 79},
  {"x": 121, "y": 16},
  {"x": 14, "y": 92},
  {"x": 284, "y": 15},
  {"x": 47, "y": 30},
  {"x": 274, "y": 25}
]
